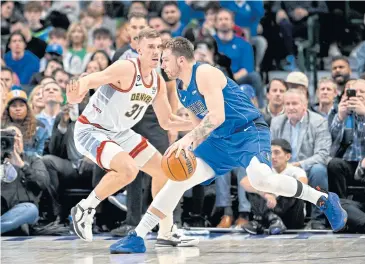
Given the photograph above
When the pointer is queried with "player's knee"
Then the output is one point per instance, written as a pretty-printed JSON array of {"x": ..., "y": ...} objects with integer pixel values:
[
  {"x": 258, "y": 174},
  {"x": 130, "y": 172}
]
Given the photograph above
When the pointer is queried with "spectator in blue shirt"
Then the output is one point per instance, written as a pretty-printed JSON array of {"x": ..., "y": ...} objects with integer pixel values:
[
  {"x": 239, "y": 51},
  {"x": 171, "y": 14},
  {"x": 21, "y": 61},
  {"x": 192, "y": 10}
]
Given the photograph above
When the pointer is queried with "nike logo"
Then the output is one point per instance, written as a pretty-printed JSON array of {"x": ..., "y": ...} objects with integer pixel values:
[
  {"x": 246, "y": 128},
  {"x": 138, "y": 84},
  {"x": 183, "y": 99},
  {"x": 194, "y": 92}
]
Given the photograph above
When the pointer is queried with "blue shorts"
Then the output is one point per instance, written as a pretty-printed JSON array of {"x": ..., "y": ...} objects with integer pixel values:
[{"x": 236, "y": 150}]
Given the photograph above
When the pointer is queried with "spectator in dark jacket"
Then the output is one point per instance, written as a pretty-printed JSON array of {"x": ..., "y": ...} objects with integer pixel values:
[{"x": 24, "y": 180}]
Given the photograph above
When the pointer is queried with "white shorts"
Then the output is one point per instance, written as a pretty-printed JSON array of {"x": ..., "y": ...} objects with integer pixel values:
[{"x": 101, "y": 145}]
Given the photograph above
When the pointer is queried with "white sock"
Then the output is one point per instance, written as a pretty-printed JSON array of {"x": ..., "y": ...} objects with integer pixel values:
[
  {"x": 92, "y": 201},
  {"x": 166, "y": 225},
  {"x": 310, "y": 194},
  {"x": 148, "y": 222}
]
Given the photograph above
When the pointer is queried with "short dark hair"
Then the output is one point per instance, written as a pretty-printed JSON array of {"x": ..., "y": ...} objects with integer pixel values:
[
  {"x": 166, "y": 31},
  {"x": 19, "y": 34},
  {"x": 7, "y": 69},
  {"x": 102, "y": 32},
  {"x": 169, "y": 3},
  {"x": 136, "y": 15},
  {"x": 55, "y": 59},
  {"x": 279, "y": 80},
  {"x": 181, "y": 47},
  {"x": 59, "y": 70},
  {"x": 284, "y": 144},
  {"x": 58, "y": 33},
  {"x": 212, "y": 5},
  {"x": 340, "y": 57}
]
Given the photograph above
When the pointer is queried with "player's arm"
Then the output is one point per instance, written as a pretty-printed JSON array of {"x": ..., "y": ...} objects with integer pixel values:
[
  {"x": 210, "y": 83},
  {"x": 111, "y": 74},
  {"x": 166, "y": 118}
]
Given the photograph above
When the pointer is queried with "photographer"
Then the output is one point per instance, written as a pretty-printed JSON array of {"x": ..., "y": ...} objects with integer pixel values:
[
  {"x": 23, "y": 180},
  {"x": 18, "y": 112},
  {"x": 348, "y": 136}
]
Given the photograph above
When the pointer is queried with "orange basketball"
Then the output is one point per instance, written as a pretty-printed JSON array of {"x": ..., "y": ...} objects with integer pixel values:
[{"x": 181, "y": 168}]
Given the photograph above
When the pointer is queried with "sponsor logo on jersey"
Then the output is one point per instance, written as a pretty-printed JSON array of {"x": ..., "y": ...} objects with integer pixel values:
[
  {"x": 97, "y": 109},
  {"x": 141, "y": 97}
]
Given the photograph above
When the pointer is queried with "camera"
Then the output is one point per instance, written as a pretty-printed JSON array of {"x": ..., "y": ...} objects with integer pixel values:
[
  {"x": 351, "y": 93},
  {"x": 7, "y": 143}
]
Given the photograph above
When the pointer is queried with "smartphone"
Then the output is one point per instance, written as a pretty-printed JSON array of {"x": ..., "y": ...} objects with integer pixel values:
[{"x": 351, "y": 93}]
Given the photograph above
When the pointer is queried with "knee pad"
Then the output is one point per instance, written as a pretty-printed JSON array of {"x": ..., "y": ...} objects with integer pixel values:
[{"x": 258, "y": 173}]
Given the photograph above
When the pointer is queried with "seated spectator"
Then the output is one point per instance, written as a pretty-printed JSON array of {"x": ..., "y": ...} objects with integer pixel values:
[
  {"x": 78, "y": 49},
  {"x": 53, "y": 51},
  {"x": 157, "y": 23},
  {"x": 61, "y": 77},
  {"x": 206, "y": 50},
  {"x": 46, "y": 80},
  {"x": 22, "y": 185},
  {"x": 310, "y": 140},
  {"x": 93, "y": 66},
  {"x": 7, "y": 77},
  {"x": 165, "y": 35},
  {"x": 33, "y": 12},
  {"x": 21, "y": 61},
  {"x": 171, "y": 14},
  {"x": 239, "y": 51},
  {"x": 360, "y": 171},
  {"x": 102, "y": 57},
  {"x": 96, "y": 9},
  {"x": 3, "y": 96},
  {"x": 195, "y": 31},
  {"x": 275, "y": 97},
  {"x": 7, "y": 10},
  {"x": 298, "y": 80},
  {"x": 122, "y": 37},
  {"x": 102, "y": 40},
  {"x": 341, "y": 72},
  {"x": 279, "y": 212},
  {"x": 348, "y": 135},
  {"x": 138, "y": 7},
  {"x": 326, "y": 94},
  {"x": 291, "y": 17},
  {"x": 52, "y": 96},
  {"x": 65, "y": 164},
  {"x": 247, "y": 16},
  {"x": 136, "y": 23},
  {"x": 34, "y": 44},
  {"x": 52, "y": 65},
  {"x": 19, "y": 113},
  {"x": 35, "y": 101}
]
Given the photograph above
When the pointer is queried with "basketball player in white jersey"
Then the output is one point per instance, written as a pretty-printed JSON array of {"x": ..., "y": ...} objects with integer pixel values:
[{"x": 103, "y": 134}]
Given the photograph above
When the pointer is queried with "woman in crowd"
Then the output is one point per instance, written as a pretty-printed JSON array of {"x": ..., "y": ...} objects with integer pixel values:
[{"x": 36, "y": 102}]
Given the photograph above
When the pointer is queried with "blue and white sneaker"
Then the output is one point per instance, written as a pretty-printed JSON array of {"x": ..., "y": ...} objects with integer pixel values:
[
  {"x": 332, "y": 208},
  {"x": 129, "y": 244}
]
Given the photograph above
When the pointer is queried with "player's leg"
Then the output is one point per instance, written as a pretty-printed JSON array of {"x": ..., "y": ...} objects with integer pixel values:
[
  {"x": 262, "y": 178},
  {"x": 165, "y": 235},
  {"x": 163, "y": 204},
  {"x": 96, "y": 145}
]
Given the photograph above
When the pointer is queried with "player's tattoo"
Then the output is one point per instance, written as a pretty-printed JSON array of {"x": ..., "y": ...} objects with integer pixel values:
[{"x": 203, "y": 129}]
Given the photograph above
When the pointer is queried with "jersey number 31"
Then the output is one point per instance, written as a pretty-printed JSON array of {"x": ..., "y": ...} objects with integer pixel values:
[{"x": 135, "y": 111}]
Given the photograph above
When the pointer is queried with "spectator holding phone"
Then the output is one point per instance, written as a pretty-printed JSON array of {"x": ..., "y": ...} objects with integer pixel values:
[
  {"x": 348, "y": 135},
  {"x": 22, "y": 184}
]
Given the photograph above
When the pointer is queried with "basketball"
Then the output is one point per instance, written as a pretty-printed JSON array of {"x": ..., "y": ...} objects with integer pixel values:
[{"x": 181, "y": 168}]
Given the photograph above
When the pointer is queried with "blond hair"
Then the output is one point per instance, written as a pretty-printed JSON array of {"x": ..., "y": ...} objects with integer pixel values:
[
  {"x": 327, "y": 80},
  {"x": 148, "y": 33},
  {"x": 32, "y": 94},
  {"x": 72, "y": 28}
]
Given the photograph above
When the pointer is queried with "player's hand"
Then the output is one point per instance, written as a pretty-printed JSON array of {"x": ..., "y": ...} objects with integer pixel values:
[
  {"x": 75, "y": 91},
  {"x": 270, "y": 200},
  {"x": 182, "y": 144}
]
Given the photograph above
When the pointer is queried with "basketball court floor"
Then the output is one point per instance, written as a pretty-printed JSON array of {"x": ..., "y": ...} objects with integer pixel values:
[{"x": 217, "y": 248}]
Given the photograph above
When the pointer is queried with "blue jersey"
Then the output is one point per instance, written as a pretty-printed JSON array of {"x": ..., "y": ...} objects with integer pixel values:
[
  {"x": 242, "y": 136},
  {"x": 238, "y": 107}
]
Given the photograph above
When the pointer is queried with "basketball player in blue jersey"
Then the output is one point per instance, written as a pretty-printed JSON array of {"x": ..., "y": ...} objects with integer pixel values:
[{"x": 232, "y": 133}]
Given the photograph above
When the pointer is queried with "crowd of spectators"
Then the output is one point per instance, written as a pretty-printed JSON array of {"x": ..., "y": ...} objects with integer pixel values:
[{"x": 46, "y": 43}]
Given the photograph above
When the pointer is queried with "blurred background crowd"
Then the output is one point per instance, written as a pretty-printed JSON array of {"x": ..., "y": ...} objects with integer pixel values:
[{"x": 301, "y": 62}]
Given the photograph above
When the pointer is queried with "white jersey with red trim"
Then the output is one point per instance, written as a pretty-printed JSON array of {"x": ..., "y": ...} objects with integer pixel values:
[{"x": 116, "y": 110}]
